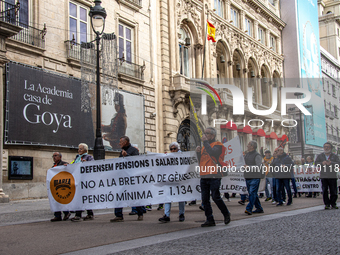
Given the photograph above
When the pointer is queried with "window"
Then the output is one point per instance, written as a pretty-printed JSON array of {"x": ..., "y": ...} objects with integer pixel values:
[
  {"x": 335, "y": 111},
  {"x": 78, "y": 22},
  {"x": 183, "y": 40},
  {"x": 333, "y": 90},
  {"x": 219, "y": 7},
  {"x": 234, "y": 16},
  {"x": 328, "y": 90},
  {"x": 249, "y": 27},
  {"x": 338, "y": 31},
  {"x": 125, "y": 42},
  {"x": 23, "y": 12},
  {"x": 273, "y": 43},
  {"x": 261, "y": 35}
]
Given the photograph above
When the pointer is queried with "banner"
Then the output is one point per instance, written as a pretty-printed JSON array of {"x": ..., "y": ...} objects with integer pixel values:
[
  {"x": 44, "y": 108},
  {"x": 124, "y": 182},
  {"x": 307, "y": 179}
]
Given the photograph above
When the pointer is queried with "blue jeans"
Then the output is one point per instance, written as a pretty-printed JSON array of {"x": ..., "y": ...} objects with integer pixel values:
[
  {"x": 269, "y": 181},
  {"x": 167, "y": 208},
  {"x": 212, "y": 185},
  {"x": 253, "y": 188},
  {"x": 294, "y": 186},
  {"x": 280, "y": 185}
]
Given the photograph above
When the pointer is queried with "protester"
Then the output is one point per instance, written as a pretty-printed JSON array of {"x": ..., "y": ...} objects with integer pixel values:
[
  {"x": 267, "y": 160},
  {"x": 274, "y": 200},
  {"x": 253, "y": 161},
  {"x": 127, "y": 150},
  {"x": 174, "y": 147},
  {"x": 211, "y": 155},
  {"x": 82, "y": 157},
  {"x": 328, "y": 162},
  {"x": 58, "y": 162},
  {"x": 283, "y": 162}
]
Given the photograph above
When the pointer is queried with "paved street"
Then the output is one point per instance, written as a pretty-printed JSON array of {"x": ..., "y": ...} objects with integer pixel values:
[{"x": 303, "y": 228}]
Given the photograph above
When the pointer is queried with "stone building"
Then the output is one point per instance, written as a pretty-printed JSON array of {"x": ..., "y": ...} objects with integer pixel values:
[
  {"x": 247, "y": 53},
  {"x": 45, "y": 36}
]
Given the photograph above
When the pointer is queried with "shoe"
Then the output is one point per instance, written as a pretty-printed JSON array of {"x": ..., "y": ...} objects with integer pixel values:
[
  {"x": 267, "y": 199},
  {"x": 208, "y": 224},
  {"x": 192, "y": 203},
  {"x": 160, "y": 207},
  {"x": 201, "y": 207},
  {"x": 241, "y": 202},
  {"x": 258, "y": 211},
  {"x": 164, "y": 219},
  {"x": 335, "y": 207},
  {"x": 117, "y": 219},
  {"x": 327, "y": 207},
  {"x": 274, "y": 202},
  {"x": 247, "y": 200},
  {"x": 56, "y": 219},
  {"x": 289, "y": 203},
  {"x": 181, "y": 217},
  {"x": 261, "y": 195},
  {"x": 140, "y": 217},
  {"x": 295, "y": 196},
  {"x": 89, "y": 217},
  {"x": 247, "y": 212},
  {"x": 67, "y": 216},
  {"x": 283, "y": 202},
  {"x": 227, "y": 218},
  {"x": 76, "y": 218},
  {"x": 132, "y": 213},
  {"x": 148, "y": 208},
  {"x": 280, "y": 204}
]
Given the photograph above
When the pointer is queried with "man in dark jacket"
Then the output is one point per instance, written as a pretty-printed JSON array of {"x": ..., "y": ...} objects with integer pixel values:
[
  {"x": 253, "y": 175},
  {"x": 127, "y": 150},
  {"x": 283, "y": 170},
  {"x": 81, "y": 157},
  {"x": 58, "y": 162},
  {"x": 328, "y": 164}
]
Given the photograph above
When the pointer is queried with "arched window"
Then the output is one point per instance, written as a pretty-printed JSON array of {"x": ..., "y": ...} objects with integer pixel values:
[{"x": 184, "y": 42}]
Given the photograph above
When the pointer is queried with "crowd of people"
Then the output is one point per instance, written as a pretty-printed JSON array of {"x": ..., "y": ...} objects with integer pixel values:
[{"x": 211, "y": 154}]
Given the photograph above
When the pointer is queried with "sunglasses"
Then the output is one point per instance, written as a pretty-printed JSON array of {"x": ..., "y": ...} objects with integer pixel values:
[{"x": 173, "y": 149}]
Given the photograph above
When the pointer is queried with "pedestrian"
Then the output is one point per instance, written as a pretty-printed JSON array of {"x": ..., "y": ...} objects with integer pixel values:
[
  {"x": 267, "y": 161},
  {"x": 284, "y": 165},
  {"x": 328, "y": 163},
  {"x": 253, "y": 175},
  {"x": 310, "y": 163},
  {"x": 127, "y": 151},
  {"x": 83, "y": 156},
  {"x": 58, "y": 162},
  {"x": 209, "y": 156},
  {"x": 174, "y": 147}
]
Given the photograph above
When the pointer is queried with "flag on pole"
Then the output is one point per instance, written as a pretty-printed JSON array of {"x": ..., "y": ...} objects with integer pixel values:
[{"x": 211, "y": 31}]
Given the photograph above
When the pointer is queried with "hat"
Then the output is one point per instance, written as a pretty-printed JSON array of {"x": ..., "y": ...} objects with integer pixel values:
[{"x": 267, "y": 151}]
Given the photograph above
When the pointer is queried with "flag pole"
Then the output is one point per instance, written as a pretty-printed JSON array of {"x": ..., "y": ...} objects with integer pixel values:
[{"x": 205, "y": 42}]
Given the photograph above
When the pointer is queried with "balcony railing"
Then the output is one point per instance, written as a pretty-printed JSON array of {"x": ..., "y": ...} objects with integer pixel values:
[
  {"x": 131, "y": 69},
  {"x": 8, "y": 12},
  {"x": 31, "y": 35},
  {"x": 73, "y": 49}
]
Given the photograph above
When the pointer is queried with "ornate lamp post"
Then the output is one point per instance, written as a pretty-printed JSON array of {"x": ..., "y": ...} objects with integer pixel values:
[{"x": 98, "y": 15}]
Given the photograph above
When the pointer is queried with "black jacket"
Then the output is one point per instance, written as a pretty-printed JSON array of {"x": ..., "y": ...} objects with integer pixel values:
[
  {"x": 328, "y": 172},
  {"x": 283, "y": 159},
  {"x": 130, "y": 150}
]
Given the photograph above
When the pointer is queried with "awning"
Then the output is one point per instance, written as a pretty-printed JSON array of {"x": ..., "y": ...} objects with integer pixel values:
[
  {"x": 272, "y": 135},
  {"x": 247, "y": 129},
  {"x": 229, "y": 126},
  {"x": 260, "y": 132},
  {"x": 283, "y": 138}
]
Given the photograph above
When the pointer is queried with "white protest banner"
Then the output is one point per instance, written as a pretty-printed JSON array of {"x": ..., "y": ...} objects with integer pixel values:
[
  {"x": 124, "y": 182},
  {"x": 233, "y": 154},
  {"x": 307, "y": 178},
  {"x": 234, "y": 183}
]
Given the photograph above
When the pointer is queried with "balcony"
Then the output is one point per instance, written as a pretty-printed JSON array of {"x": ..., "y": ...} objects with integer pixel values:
[
  {"x": 31, "y": 35},
  {"x": 9, "y": 23},
  {"x": 130, "y": 70}
]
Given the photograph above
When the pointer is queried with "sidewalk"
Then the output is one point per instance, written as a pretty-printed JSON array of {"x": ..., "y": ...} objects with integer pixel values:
[{"x": 40, "y": 236}]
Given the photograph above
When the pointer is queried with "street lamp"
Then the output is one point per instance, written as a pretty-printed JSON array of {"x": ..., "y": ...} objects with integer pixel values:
[
  {"x": 299, "y": 95},
  {"x": 98, "y": 15}
]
